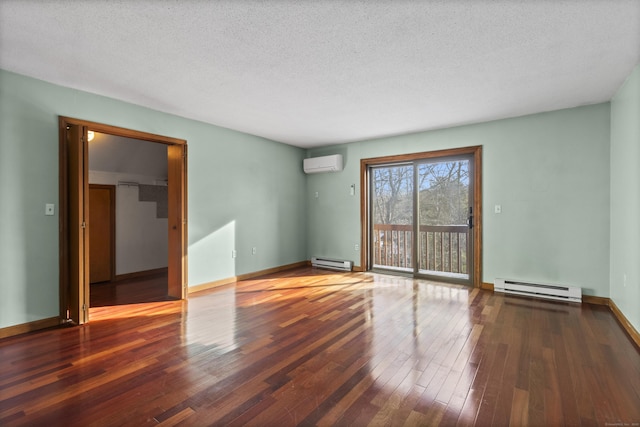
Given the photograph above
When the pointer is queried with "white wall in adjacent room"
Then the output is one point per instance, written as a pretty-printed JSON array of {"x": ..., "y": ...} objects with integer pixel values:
[{"x": 141, "y": 238}]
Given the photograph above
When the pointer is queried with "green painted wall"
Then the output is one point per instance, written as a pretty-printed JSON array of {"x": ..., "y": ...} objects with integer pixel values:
[
  {"x": 625, "y": 198},
  {"x": 550, "y": 173},
  {"x": 244, "y": 192}
]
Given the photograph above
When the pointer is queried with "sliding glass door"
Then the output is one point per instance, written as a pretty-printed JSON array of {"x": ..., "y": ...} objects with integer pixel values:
[
  {"x": 444, "y": 212},
  {"x": 392, "y": 221},
  {"x": 421, "y": 217}
]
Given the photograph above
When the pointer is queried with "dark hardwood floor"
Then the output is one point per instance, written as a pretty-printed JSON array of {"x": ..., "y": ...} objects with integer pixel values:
[
  {"x": 311, "y": 347},
  {"x": 134, "y": 290}
]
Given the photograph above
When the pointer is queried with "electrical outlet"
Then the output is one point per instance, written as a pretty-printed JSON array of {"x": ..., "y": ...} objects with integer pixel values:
[
  {"x": 254, "y": 250},
  {"x": 234, "y": 253}
]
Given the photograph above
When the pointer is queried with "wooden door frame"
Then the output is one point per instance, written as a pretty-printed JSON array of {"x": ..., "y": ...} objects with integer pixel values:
[
  {"x": 112, "y": 228},
  {"x": 365, "y": 164},
  {"x": 177, "y": 223}
]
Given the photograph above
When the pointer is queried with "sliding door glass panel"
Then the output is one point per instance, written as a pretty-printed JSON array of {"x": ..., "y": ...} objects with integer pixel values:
[
  {"x": 443, "y": 212},
  {"x": 392, "y": 222}
]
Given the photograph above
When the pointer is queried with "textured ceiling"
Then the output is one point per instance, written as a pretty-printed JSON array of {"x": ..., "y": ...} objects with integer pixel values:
[{"x": 317, "y": 73}]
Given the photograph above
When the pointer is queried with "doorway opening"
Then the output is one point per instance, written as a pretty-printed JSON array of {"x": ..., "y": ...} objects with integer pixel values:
[
  {"x": 128, "y": 235},
  {"x": 421, "y": 215},
  {"x": 81, "y": 263}
]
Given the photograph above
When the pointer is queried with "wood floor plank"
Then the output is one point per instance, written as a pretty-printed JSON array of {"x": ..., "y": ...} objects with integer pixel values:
[
  {"x": 567, "y": 391},
  {"x": 520, "y": 408},
  {"x": 314, "y": 347},
  {"x": 491, "y": 391},
  {"x": 552, "y": 396}
]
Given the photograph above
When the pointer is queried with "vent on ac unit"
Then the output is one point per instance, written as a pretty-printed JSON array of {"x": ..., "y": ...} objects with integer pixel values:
[
  {"x": 538, "y": 290},
  {"x": 332, "y": 264}
]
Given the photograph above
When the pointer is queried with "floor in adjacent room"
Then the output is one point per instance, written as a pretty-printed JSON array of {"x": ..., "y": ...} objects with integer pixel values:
[{"x": 133, "y": 290}]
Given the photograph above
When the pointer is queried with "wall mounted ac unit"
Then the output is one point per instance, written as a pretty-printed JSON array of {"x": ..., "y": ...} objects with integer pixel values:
[
  {"x": 333, "y": 264},
  {"x": 323, "y": 164},
  {"x": 538, "y": 290}
]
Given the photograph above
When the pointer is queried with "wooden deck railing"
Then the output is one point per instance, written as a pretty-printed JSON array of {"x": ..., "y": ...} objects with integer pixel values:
[{"x": 440, "y": 248}]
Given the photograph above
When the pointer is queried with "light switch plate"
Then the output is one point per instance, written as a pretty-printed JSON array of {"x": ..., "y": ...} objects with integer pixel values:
[{"x": 49, "y": 209}]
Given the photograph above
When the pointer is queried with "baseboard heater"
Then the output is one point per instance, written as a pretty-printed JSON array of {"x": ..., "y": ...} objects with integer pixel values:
[
  {"x": 332, "y": 264},
  {"x": 538, "y": 290}
]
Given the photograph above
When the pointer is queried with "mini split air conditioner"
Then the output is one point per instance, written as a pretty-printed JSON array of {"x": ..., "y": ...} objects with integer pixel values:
[{"x": 323, "y": 164}]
